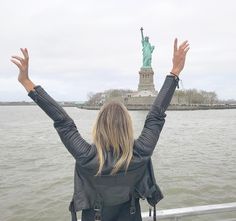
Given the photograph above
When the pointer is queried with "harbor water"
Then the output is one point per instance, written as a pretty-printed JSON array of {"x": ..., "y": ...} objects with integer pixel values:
[{"x": 194, "y": 161}]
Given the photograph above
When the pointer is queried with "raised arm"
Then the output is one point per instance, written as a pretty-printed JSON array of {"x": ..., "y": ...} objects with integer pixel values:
[
  {"x": 64, "y": 125},
  {"x": 155, "y": 119},
  {"x": 141, "y": 29}
]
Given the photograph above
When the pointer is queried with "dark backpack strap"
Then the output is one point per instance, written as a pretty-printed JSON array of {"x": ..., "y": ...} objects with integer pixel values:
[
  {"x": 73, "y": 212},
  {"x": 132, "y": 204},
  {"x": 98, "y": 208},
  {"x": 150, "y": 211},
  {"x": 154, "y": 213}
]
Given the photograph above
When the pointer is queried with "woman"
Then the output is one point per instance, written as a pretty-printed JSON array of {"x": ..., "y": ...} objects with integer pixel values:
[{"x": 115, "y": 171}]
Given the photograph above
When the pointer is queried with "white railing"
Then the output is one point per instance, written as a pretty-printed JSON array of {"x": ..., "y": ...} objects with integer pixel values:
[{"x": 177, "y": 214}]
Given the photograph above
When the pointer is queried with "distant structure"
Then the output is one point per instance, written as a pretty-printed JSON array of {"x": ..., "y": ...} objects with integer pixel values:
[
  {"x": 146, "y": 80},
  {"x": 143, "y": 98},
  {"x": 146, "y": 93},
  {"x": 147, "y": 51}
]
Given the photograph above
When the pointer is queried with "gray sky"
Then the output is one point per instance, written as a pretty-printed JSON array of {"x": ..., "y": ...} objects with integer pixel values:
[{"x": 81, "y": 46}]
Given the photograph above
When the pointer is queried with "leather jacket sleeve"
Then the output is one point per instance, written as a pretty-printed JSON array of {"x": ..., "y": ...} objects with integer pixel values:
[
  {"x": 64, "y": 125},
  {"x": 155, "y": 119}
]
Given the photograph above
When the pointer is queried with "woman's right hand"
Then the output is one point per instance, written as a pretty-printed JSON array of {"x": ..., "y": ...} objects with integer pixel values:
[
  {"x": 23, "y": 65},
  {"x": 179, "y": 56}
]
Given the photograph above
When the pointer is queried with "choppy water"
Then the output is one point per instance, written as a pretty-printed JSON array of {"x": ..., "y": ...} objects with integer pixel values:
[{"x": 195, "y": 161}]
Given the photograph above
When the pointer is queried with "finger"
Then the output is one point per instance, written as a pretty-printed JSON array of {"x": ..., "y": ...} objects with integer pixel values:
[
  {"x": 16, "y": 63},
  {"x": 18, "y": 58},
  {"x": 186, "y": 50},
  {"x": 25, "y": 53},
  {"x": 175, "y": 44},
  {"x": 183, "y": 44}
]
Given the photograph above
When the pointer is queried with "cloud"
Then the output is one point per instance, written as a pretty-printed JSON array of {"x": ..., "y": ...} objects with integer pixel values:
[{"x": 82, "y": 46}]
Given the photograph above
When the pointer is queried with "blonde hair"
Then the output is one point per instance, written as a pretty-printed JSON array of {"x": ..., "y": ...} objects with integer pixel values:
[{"x": 113, "y": 130}]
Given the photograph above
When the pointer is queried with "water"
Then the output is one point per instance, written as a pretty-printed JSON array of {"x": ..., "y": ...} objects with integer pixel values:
[{"x": 194, "y": 161}]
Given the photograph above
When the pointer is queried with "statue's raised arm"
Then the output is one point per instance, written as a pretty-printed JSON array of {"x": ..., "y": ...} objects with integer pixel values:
[{"x": 141, "y": 29}]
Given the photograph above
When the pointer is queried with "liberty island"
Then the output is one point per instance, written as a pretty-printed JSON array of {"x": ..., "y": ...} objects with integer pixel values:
[{"x": 143, "y": 98}]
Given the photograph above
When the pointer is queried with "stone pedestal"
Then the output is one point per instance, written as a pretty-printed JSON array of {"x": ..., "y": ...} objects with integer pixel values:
[{"x": 146, "y": 80}]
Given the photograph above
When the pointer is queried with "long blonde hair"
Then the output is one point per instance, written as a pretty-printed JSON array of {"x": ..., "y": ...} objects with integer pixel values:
[{"x": 113, "y": 131}]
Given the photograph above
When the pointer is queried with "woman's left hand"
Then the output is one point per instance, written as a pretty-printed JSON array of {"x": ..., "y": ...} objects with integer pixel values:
[{"x": 22, "y": 64}]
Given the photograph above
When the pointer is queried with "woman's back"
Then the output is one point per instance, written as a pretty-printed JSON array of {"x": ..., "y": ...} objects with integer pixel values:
[{"x": 112, "y": 132}]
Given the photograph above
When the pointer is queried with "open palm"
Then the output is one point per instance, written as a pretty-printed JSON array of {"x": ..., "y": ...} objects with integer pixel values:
[{"x": 22, "y": 64}]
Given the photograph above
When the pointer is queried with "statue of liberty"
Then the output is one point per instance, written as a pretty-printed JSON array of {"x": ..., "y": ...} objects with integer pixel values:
[{"x": 147, "y": 51}]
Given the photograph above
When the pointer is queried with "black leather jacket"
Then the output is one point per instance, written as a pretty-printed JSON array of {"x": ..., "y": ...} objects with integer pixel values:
[{"x": 115, "y": 189}]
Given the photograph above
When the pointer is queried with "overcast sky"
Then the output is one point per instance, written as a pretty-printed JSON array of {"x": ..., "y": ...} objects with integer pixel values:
[{"x": 77, "y": 47}]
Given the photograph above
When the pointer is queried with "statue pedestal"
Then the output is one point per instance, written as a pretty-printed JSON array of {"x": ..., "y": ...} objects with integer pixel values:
[
  {"x": 146, "y": 94},
  {"x": 146, "y": 80}
]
